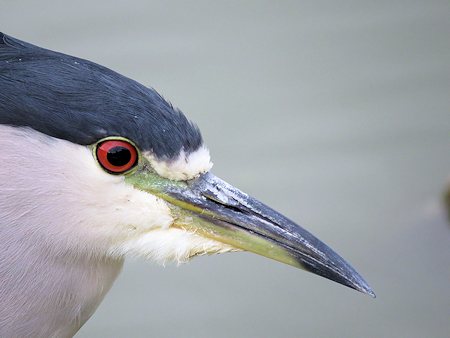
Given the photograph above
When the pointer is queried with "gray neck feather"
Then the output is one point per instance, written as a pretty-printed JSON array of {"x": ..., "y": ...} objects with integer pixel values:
[{"x": 46, "y": 296}]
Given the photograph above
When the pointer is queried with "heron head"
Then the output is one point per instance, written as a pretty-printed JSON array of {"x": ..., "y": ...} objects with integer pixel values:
[{"x": 106, "y": 167}]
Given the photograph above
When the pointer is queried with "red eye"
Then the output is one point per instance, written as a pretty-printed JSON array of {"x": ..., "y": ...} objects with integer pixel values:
[{"x": 116, "y": 156}]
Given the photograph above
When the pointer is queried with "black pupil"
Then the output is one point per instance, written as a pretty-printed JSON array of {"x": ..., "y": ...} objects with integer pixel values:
[{"x": 118, "y": 156}]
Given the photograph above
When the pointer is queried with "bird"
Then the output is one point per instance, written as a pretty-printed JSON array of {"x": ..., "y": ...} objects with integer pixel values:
[{"x": 96, "y": 167}]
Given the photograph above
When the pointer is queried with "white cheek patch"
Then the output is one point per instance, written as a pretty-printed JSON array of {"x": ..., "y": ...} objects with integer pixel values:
[
  {"x": 184, "y": 167},
  {"x": 54, "y": 189}
]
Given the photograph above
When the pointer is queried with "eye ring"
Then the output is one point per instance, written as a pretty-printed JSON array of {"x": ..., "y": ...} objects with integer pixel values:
[{"x": 116, "y": 156}]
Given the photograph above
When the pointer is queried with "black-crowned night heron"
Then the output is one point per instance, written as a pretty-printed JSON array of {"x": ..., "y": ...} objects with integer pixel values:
[{"x": 96, "y": 167}]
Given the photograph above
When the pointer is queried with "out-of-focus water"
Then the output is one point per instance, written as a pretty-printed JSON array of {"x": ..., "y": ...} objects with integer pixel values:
[{"x": 335, "y": 113}]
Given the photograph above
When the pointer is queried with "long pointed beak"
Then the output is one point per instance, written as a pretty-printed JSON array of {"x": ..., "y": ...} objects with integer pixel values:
[{"x": 215, "y": 209}]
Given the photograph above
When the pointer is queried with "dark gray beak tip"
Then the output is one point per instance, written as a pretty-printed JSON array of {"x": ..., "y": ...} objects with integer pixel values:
[
  {"x": 368, "y": 290},
  {"x": 359, "y": 284},
  {"x": 335, "y": 268},
  {"x": 362, "y": 286}
]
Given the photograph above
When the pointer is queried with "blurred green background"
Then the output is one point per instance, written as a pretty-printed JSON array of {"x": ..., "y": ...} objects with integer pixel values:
[{"x": 336, "y": 113}]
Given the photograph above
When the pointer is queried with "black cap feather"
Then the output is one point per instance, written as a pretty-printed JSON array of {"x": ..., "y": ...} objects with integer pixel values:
[{"x": 80, "y": 101}]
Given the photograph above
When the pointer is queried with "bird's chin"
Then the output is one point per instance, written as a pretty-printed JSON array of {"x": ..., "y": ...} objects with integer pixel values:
[{"x": 170, "y": 245}]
